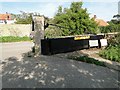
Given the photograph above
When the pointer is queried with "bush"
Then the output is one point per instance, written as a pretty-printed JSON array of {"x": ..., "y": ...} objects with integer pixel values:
[
  {"x": 115, "y": 40},
  {"x": 27, "y": 20},
  {"x": 52, "y": 32},
  {"x": 14, "y": 39},
  {"x": 110, "y": 28},
  {"x": 111, "y": 53},
  {"x": 113, "y": 49},
  {"x": 75, "y": 20}
]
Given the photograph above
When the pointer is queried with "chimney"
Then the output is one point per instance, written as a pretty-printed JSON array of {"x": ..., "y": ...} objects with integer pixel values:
[
  {"x": 6, "y": 12},
  {"x": 95, "y": 17}
]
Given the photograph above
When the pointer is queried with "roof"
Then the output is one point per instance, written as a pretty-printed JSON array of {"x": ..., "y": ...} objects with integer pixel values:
[
  {"x": 101, "y": 22},
  {"x": 5, "y": 17}
]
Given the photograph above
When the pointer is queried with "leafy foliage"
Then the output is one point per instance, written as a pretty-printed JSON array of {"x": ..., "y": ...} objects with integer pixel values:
[
  {"x": 27, "y": 20},
  {"x": 75, "y": 20},
  {"x": 114, "y": 25},
  {"x": 110, "y": 28},
  {"x": 52, "y": 32},
  {"x": 111, "y": 53},
  {"x": 13, "y": 39}
]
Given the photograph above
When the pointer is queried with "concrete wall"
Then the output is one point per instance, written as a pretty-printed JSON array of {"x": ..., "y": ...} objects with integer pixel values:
[{"x": 15, "y": 29}]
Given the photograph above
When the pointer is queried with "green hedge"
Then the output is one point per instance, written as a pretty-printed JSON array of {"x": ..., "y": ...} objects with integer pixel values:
[
  {"x": 52, "y": 32},
  {"x": 110, "y": 28},
  {"x": 13, "y": 39}
]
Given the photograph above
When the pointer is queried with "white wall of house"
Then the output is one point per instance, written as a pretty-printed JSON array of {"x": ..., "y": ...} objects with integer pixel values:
[
  {"x": 2, "y": 22},
  {"x": 8, "y": 21}
]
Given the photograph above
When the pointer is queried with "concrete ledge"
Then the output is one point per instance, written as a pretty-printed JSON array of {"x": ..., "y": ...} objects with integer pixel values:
[
  {"x": 108, "y": 63},
  {"x": 113, "y": 65}
]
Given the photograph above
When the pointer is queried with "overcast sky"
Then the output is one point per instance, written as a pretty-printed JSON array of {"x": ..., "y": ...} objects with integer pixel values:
[{"x": 104, "y": 9}]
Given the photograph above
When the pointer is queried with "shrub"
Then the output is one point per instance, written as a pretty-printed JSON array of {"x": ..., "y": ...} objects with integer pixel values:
[
  {"x": 52, "y": 32},
  {"x": 75, "y": 20},
  {"x": 27, "y": 20},
  {"x": 110, "y": 28},
  {"x": 111, "y": 53}
]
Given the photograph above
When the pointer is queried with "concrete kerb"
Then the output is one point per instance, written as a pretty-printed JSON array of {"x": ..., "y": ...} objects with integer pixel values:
[
  {"x": 93, "y": 54},
  {"x": 108, "y": 63}
]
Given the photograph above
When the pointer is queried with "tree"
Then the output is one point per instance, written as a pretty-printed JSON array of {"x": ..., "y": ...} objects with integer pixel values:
[
  {"x": 117, "y": 16},
  {"x": 116, "y": 20},
  {"x": 27, "y": 20},
  {"x": 75, "y": 20}
]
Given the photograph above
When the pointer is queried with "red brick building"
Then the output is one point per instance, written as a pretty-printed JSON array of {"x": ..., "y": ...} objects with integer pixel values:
[{"x": 6, "y": 19}]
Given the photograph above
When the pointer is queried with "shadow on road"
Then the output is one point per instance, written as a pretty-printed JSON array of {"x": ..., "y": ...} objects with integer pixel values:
[{"x": 53, "y": 72}]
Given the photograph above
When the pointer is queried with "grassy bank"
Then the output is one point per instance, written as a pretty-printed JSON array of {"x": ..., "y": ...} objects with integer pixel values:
[{"x": 14, "y": 39}]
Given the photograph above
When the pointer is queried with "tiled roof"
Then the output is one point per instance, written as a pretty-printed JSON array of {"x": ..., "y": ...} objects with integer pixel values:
[
  {"x": 5, "y": 17},
  {"x": 101, "y": 22}
]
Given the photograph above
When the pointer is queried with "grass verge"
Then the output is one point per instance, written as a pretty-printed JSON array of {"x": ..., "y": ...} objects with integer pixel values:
[
  {"x": 87, "y": 60},
  {"x": 14, "y": 39}
]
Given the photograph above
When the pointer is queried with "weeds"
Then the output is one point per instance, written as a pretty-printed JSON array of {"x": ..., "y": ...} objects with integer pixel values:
[
  {"x": 87, "y": 60},
  {"x": 111, "y": 53}
]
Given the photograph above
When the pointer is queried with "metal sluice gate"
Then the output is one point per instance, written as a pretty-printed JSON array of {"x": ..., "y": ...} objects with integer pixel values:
[{"x": 71, "y": 43}]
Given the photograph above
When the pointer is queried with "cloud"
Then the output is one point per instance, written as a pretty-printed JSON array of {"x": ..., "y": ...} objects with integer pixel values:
[
  {"x": 38, "y": 0},
  {"x": 0, "y": 5},
  {"x": 49, "y": 9},
  {"x": 58, "y": 0},
  {"x": 9, "y": 0},
  {"x": 100, "y": 1},
  {"x": 104, "y": 10}
]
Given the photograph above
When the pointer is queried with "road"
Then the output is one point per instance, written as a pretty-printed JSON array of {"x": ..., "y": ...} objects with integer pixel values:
[
  {"x": 20, "y": 71},
  {"x": 14, "y": 49}
]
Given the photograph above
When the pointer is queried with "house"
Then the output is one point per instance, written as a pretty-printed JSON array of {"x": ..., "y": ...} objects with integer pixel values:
[
  {"x": 6, "y": 19},
  {"x": 100, "y": 22}
]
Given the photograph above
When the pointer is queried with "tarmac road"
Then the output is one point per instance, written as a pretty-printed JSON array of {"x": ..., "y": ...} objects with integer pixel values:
[
  {"x": 20, "y": 71},
  {"x": 14, "y": 49}
]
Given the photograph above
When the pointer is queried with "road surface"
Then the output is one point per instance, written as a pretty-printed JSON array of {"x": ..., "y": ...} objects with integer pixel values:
[
  {"x": 14, "y": 49},
  {"x": 20, "y": 71}
]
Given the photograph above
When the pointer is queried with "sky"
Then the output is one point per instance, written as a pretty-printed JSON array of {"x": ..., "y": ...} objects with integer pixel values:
[{"x": 104, "y": 9}]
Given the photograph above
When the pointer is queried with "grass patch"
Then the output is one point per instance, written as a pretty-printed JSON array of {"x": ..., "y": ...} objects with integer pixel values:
[
  {"x": 87, "y": 60},
  {"x": 112, "y": 53},
  {"x": 14, "y": 39}
]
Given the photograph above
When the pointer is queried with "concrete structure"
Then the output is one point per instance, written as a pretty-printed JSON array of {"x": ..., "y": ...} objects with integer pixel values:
[
  {"x": 38, "y": 33},
  {"x": 15, "y": 30}
]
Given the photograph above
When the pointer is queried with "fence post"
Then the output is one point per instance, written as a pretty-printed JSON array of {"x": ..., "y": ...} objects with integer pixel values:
[{"x": 38, "y": 33}]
